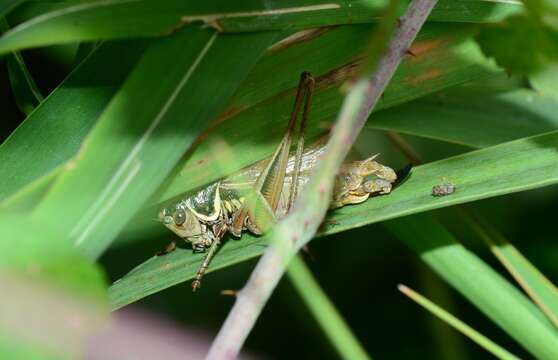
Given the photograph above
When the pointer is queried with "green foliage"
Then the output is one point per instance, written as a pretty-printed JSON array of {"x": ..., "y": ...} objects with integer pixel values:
[
  {"x": 62, "y": 128},
  {"x": 68, "y": 21},
  {"x": 504, "y": 114},
  {"x": 502, "y": 169},
  {"x": 324, "y": 311},
  {"x": 537, "y": 286},
  {"x": 164, "y": 123},
  {"x": 442, "y": 60},
  {"x": 164, "y": 104},
  {"x": 519, "y": 45},
  {"x": 545, "y": 12},
  {"x": 24, "y": 89},
  {"x": 524, "y": 43},
  {"x": 545, "y": 80},
  {"x": 449, "y": 259},
  {"x": 7, "y": 5}
]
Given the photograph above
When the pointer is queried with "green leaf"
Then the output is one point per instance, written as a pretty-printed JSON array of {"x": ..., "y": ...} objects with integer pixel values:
[
  {"x": 24, "y": 89},
  {"x": 447, "y": 116},
  {"x": 8, "y": 5},
  {"x": 545, "y": 80},
  {"x": 255, "y": 120},
  {"x": 481, "y": 285},
  {"x": 545, "y": 12},
  {"x": 331, "y": 54},
  {"x": 101, "y": 20},
  {"x": 63, "y": 119},
  {"x": 34, "y": 251},
  {"x": 502, "y": 169},
  {"x": 502, "y": 41},
  {"x": 535, "y": 284},
  {"x": 459, "y": 325},
  {"x": 165, "y": 103}
]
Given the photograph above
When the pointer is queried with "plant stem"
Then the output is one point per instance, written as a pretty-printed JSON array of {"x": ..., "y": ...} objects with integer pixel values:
[
  {"x": 325, "y": 313},
  {"x": 301, "y": 224}
]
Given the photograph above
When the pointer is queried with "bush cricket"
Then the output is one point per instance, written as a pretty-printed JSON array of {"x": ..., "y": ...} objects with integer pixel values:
[{"x": 203, "y": 217}]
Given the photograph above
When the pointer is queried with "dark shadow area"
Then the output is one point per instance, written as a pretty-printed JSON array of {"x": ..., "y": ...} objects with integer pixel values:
[{"x": 11, "y": 116}]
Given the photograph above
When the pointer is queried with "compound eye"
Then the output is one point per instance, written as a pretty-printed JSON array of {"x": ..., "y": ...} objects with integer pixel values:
[{"x": 179, "y": 216}]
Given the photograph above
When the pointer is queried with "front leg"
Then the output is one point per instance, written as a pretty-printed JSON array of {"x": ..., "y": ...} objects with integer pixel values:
[
  {"x": 212, "y": 240},
  {"x": 196, "y": 284}
]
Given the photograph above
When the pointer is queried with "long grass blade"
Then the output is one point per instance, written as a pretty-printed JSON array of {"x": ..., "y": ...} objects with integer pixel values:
[
  {"x": 505, "y": 115},
  {"x": 155, "y": 116},
  {"x": 515, "y": 166},
  {"x": 24, "y": 89},
  {"x": 459, "y": 325},
  {"x": 64, "y": 118},
  {"x": 481, "y": 285},
  {"x": 541, "y": 290},
  {"x": 253, "y": 122},
  {"x": 114, "y": 19}
]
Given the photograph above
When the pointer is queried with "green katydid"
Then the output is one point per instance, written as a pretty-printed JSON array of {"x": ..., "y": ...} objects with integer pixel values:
[{"x": 203, "y": 217}]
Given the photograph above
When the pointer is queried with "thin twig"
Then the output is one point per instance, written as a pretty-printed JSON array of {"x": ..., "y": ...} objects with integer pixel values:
[{"x": 295, "y": 230}]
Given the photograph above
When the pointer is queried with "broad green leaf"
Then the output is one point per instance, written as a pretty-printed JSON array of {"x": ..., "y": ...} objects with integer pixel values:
[
  {"x": 165, "y": 103},
  {"x": 485, "y": 288},
  {"x": 58, "y": 126},
  {"x": 331, "y": 54},
  {"x": 96, "y": 20},
  {"x": 504, "y": 116},
  {"x": 514, "y": 166},
  {"x": 256, "y": 119},
  {"x": 29, "y": 196},
  {"x": 457, "y": 324},
  {"x": 472, "y": 116},
  {"x": 501, "y": 41}
]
